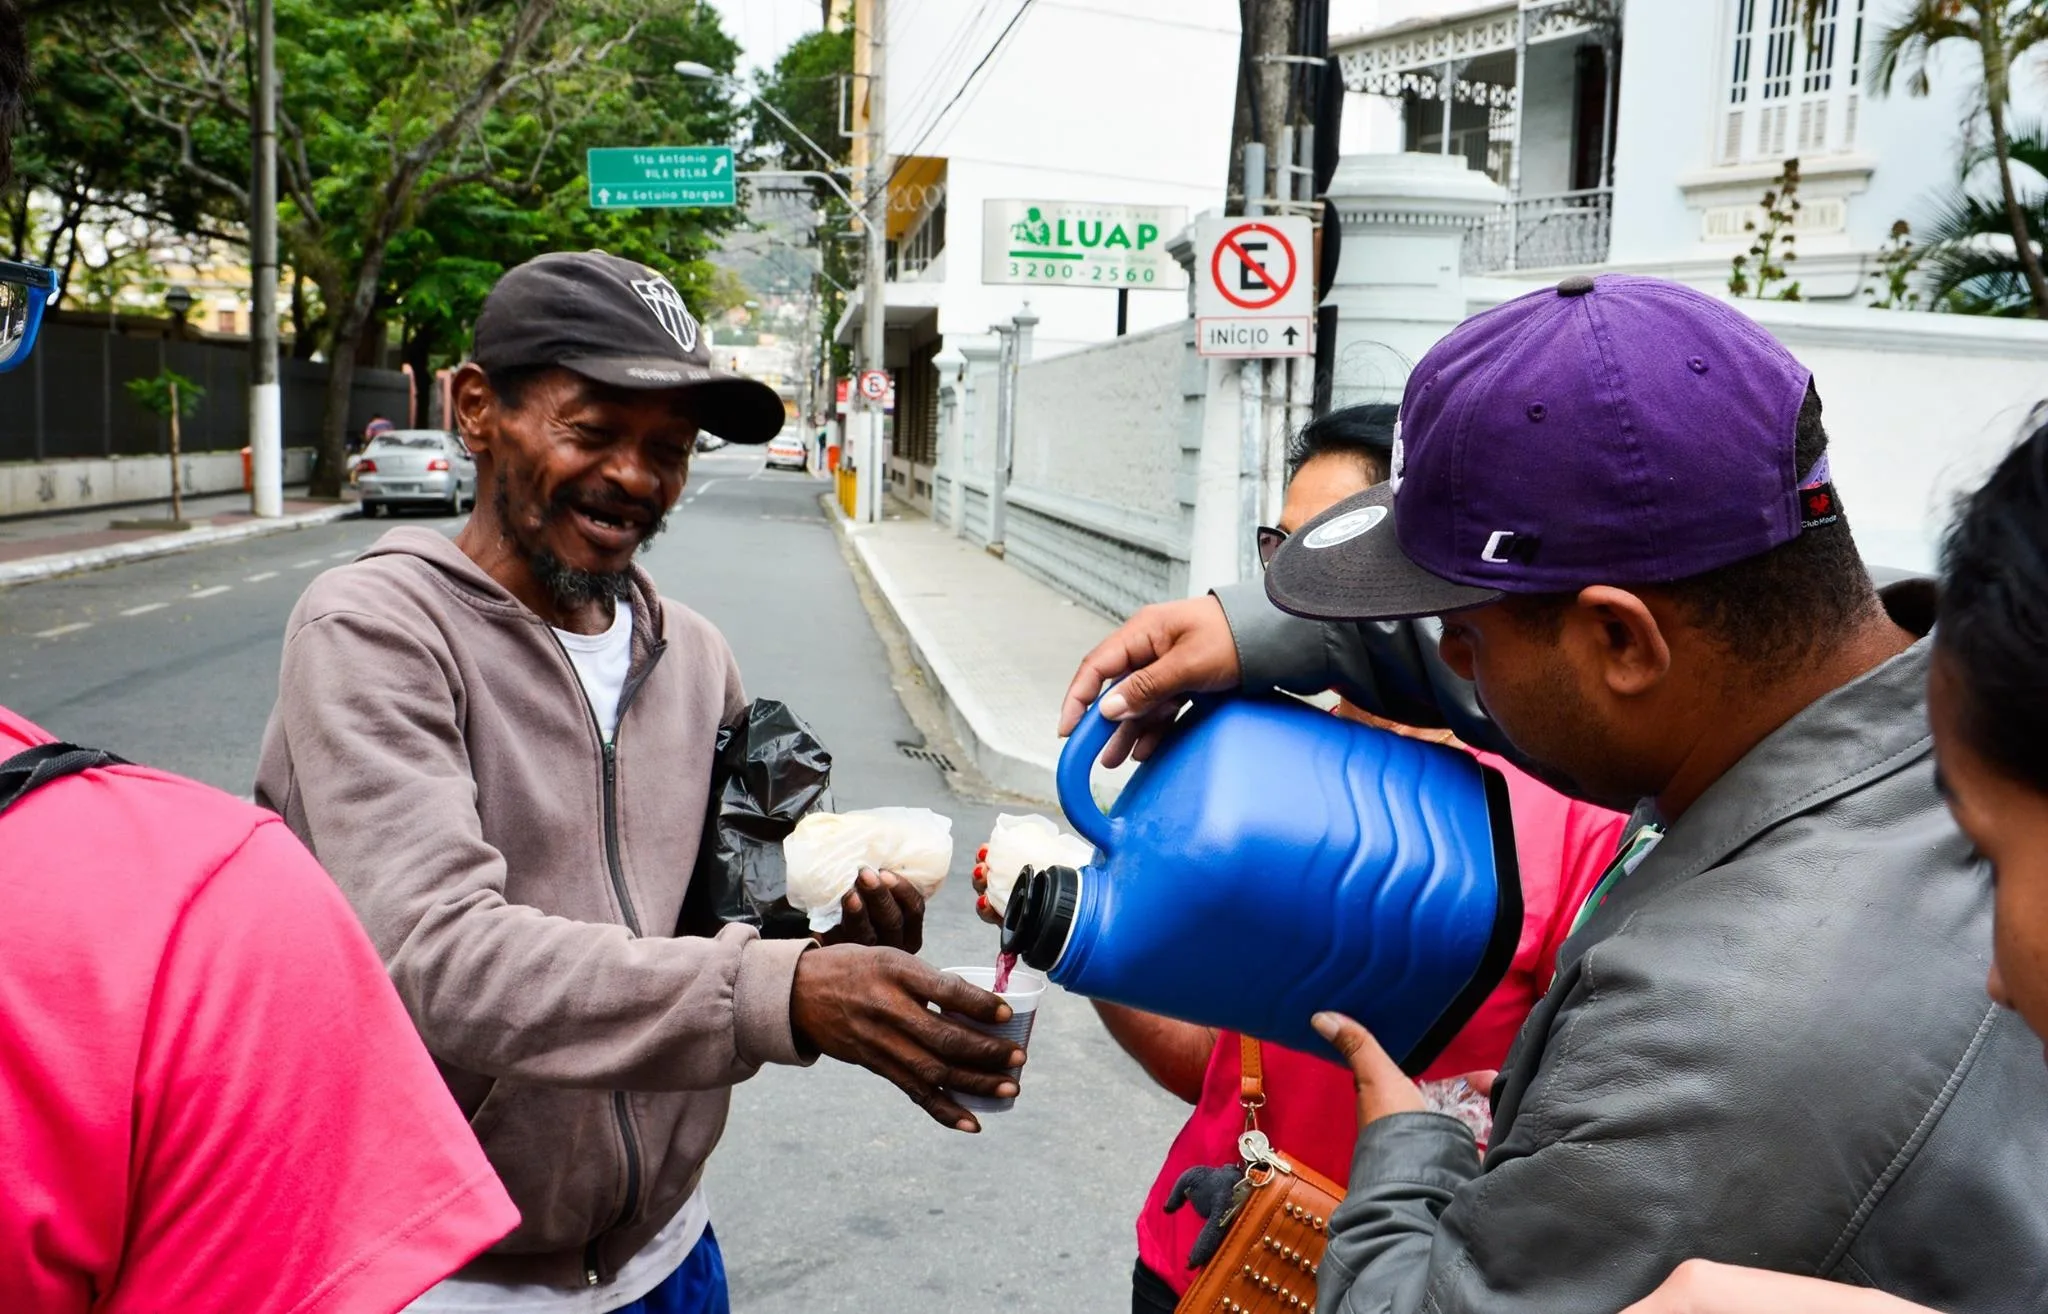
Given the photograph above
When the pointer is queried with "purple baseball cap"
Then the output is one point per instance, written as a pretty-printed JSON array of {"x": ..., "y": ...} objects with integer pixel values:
[{"x": 1610, "y": 430}]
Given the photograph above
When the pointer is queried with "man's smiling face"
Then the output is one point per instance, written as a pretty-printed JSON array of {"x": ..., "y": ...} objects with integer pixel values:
[{"x": 583, "y": 475}]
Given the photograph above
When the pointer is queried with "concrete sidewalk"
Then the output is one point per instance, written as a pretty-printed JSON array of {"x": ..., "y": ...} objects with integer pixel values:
[
  {"x": 43, "y": 547},
  {"x": 999, "y": 645}
]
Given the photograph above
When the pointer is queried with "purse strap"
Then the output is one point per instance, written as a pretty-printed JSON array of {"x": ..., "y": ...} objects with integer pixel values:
[{"x": 1251, "y": 1080}]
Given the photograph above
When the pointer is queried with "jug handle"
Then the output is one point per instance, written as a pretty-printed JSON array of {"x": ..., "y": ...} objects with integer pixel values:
[{"x": 1077, "y": 764}]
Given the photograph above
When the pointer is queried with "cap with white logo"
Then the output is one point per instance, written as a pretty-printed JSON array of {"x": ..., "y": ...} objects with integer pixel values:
[
  {"x": 620, "y": 323},
  {"x": 1611, "y": 430}
]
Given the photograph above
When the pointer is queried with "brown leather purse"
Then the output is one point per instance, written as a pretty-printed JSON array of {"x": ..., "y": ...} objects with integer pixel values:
[{"x": 1279, "y": 1222}]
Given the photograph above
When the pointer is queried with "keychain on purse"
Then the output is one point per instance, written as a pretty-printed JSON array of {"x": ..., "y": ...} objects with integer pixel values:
[{"x": 1272, "y": 1228}]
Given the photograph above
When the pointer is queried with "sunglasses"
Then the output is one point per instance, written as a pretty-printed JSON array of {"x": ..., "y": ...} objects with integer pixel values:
[
  {"x": 25, "y": 292},
  {"x": 1270, "y": 540}
]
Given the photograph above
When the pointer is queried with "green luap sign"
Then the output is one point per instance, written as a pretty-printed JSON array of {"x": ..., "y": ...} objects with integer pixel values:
[{"x": 1080, "y": 244}]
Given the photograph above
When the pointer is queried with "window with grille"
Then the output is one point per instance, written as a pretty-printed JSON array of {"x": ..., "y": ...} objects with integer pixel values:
[{"x": 1793, "y": 86}]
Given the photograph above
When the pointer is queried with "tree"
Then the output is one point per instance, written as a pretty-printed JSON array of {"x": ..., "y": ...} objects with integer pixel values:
[
  {"x": 439, "y": 269},
  {"x": 176, "y": 398},
  {"x": 2004, "y": 33},
  {"x": 393, "y": 111},
  {"x": 86, "y": 167},
  {"x": 1968, "y": 260}
]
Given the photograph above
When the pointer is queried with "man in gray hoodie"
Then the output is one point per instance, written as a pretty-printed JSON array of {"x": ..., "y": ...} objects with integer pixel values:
[{"x": 501, "y": 747}]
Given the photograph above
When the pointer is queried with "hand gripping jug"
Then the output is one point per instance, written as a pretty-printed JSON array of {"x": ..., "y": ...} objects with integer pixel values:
[{"x": 1273, "y": 860}]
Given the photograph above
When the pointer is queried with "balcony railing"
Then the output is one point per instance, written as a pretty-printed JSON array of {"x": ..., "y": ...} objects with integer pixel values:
[{"x": 1542, "y": 232}]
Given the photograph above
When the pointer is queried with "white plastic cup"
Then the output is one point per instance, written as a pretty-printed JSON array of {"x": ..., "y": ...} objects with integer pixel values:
[{"x": 1026, "y": 989}]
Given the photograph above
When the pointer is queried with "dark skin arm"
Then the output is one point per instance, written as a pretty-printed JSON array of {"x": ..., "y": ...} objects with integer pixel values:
[{"x": 1173, "y": 1053}]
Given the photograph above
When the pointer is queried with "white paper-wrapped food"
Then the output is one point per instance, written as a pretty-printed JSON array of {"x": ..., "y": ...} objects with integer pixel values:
[
  {"x": 827, "y": 850},
  {"x": 1031, "y": 841}
]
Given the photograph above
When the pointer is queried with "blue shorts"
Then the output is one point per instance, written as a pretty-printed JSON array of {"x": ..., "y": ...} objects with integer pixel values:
[{"x": 697, "y": 1287}]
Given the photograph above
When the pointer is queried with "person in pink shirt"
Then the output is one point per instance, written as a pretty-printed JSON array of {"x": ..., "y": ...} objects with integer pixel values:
[
  {"x": 1311, "y": 1104},
  {"x": 210, "y": 1095}
]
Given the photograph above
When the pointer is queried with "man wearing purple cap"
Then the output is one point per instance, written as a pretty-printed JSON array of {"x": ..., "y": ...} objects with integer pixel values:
[{"x": 1767, "y": 1042}]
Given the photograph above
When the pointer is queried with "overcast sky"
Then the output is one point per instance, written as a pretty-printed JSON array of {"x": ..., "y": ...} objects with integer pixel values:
[{"x": 764, "y": 28}]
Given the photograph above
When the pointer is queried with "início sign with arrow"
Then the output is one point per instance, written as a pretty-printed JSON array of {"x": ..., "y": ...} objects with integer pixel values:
[{"x": 1254, "y": 295}]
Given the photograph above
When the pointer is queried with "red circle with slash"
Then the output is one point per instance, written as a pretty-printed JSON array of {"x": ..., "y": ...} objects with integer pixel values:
[{"x": 1233, "y": 243}]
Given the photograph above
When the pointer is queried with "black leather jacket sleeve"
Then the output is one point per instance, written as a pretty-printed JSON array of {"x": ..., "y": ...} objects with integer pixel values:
[{"x": 1390, "y": 668}]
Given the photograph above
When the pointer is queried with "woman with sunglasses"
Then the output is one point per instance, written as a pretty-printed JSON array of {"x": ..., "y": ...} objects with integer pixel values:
[{"x": 1310, "y": 1108}]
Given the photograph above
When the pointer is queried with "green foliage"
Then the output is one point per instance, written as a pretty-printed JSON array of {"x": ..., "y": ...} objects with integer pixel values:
[
  {"x": 1759, "y": 270},
  {"x": 805, "y": 86},
  {"x": 2003, "y": 34},
  {"x": 424, "y": 145},
  {"x": 1970, "y": 264},
  {"x": 153, "y": 394},
  {"x": 1892, "y": 288}
]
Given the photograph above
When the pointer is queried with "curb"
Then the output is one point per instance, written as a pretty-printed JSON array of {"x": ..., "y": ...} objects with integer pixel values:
[
  {"x": 1006, "y": 766},
  {"x": 31, "y": 569}
]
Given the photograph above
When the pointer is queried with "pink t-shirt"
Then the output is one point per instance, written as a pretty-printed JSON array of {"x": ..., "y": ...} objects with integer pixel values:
[
  {"x": 210, "y": 1095},
  {"x": 1311, "y": 1107}
]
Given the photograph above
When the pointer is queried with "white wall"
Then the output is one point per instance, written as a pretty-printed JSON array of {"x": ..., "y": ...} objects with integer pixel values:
[
  {"x": 1106, "y": 424},
  {"x": 1104, "y": 100},
  {"x": 40, "y": 487},
  {"x": 1918, "y": 406}
]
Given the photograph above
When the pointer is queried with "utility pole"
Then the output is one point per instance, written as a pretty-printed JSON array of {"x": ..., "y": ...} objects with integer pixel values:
[
  {"x": 873, "y": 477},
  {"x": 1265, "y": 74},
  {"x": 266, "y": 398}
]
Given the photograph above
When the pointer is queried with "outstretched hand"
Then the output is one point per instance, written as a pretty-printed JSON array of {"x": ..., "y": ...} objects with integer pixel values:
[
  {"x": 869, "y": 1006},
  {"x": 1162, "y": 654}
]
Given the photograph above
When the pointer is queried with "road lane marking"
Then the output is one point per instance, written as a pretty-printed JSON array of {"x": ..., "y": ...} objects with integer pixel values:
[
  {"x": 215, "y": 591},
  {"x": 258, "y": 579},
  {"x": 73, "y": 628},
  {"x": 308, "y": 565},
  {"x": 343, "y": 555},
  {"x": 145, "y": 608}
]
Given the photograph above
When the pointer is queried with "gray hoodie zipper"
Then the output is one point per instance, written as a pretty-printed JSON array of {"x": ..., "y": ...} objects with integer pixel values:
[{"x": 594, "y": 1269}]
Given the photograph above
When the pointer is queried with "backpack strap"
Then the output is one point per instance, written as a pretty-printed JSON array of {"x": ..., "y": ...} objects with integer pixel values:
[{"x": 38, "y": 766}]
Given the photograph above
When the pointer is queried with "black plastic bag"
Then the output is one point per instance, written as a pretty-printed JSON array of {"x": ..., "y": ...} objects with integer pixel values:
[{"x": 769, "y": 772}]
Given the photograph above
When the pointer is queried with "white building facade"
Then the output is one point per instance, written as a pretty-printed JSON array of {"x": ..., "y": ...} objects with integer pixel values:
[
  {"x": 1120, "y": 102},
  {"x": 1644, "y": 144}
]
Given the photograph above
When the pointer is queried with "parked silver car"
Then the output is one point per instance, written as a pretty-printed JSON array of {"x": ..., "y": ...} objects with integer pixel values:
[{"x": 417, "y": 467}]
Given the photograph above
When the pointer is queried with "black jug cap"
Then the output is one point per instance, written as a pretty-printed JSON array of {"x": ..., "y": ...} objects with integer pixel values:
[{"x": 1041, "y": 915}]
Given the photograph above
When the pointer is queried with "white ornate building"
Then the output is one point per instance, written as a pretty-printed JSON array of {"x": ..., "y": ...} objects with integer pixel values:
[{"x": 1646, "y": 142}]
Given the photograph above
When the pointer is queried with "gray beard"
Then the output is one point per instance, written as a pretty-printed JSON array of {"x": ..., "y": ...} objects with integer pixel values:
[
  {"x": 567, "y": 585},
  {"x": 571, "y": 588}
]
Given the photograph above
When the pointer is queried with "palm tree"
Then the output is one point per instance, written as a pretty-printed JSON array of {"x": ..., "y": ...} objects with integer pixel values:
[
  {"x": 2004, "y": 32},
  {"x": 1964, "y": 259}
]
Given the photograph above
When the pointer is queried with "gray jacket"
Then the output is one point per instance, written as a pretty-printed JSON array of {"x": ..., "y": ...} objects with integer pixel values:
[{"x": 1770, "y": 1047}]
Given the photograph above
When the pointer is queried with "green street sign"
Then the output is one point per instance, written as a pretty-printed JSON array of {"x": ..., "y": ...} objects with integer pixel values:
[{"x": 629, "y": 177}]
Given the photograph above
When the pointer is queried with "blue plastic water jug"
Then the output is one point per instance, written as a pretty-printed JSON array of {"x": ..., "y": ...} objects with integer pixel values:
[{"x": 1273, "y": 860}]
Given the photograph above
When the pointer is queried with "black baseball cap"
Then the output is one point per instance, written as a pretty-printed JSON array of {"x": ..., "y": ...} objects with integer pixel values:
[{"x": 619, "y": 323}]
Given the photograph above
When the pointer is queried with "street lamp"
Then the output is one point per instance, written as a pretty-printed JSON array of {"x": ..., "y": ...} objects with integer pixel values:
[
  {"x": 179, "y": 302},
  {"x": 690, "y": 68}
]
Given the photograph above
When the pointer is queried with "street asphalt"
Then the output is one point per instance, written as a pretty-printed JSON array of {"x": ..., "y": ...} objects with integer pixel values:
[{"x": 830, "y": 1191}]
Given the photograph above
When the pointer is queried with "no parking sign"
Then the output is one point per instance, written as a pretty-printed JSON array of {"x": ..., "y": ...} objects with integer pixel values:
[{"x": 1254, "y": 295}]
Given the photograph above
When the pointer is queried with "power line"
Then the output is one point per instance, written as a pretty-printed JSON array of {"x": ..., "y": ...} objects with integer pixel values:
[
  {"x": 950, "y": 58},
  {"x": 972, "y": 73}
]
